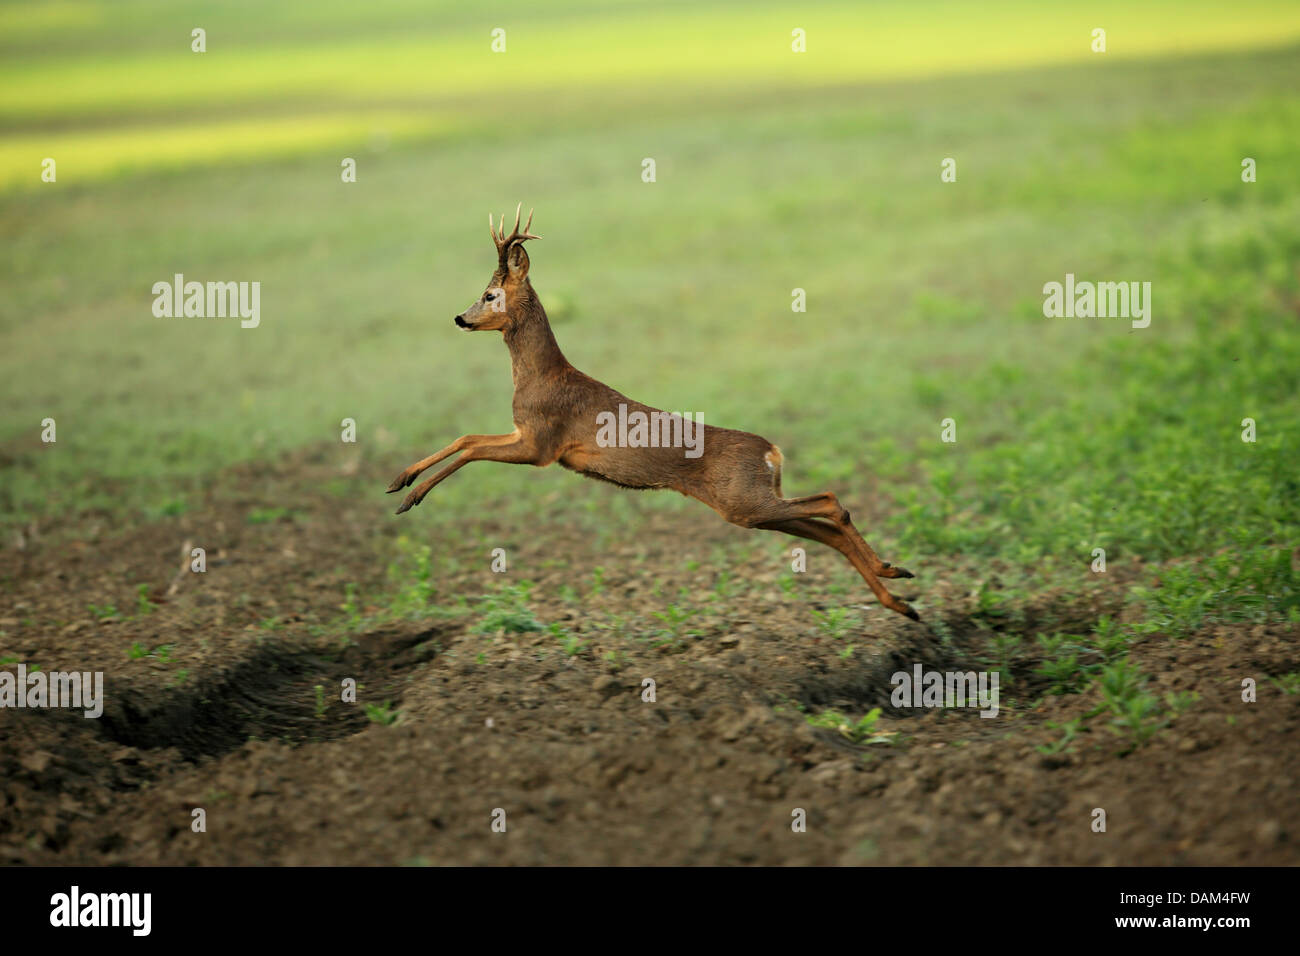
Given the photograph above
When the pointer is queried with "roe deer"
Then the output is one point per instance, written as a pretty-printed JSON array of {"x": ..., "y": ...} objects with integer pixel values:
[{"x": 556, "y": 411}]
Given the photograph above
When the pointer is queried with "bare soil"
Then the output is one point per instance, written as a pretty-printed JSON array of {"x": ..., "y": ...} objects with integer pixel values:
[{"x": 228, "y": 718}]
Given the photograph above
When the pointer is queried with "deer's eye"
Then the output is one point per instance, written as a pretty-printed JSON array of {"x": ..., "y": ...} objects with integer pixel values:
[{"x": 489, "y": 296}]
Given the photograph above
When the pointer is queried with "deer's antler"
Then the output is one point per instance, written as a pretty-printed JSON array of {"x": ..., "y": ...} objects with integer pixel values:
[{"x": 504, "y": 242}]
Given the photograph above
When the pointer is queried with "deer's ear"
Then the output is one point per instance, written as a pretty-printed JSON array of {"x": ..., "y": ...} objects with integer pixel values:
[{"x": 517, "y": 261}]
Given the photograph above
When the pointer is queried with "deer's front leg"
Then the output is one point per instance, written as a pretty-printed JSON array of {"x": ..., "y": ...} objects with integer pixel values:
[
  {"x": 460, "y": 444},
  {"x": 512, "y": 449}
]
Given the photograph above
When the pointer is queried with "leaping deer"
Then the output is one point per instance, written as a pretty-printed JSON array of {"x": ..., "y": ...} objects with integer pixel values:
[{"x": 556, "y": 409}]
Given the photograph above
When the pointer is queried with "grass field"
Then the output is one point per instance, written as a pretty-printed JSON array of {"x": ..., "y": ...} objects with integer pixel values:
[{"x": 775, "y": 171}]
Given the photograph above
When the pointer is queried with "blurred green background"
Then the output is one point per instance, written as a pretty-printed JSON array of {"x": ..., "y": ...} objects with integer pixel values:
[{"x": 775, "y": 170}]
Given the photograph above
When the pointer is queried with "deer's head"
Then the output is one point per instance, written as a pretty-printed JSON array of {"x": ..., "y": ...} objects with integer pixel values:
[{"x": 509, "y": 297}]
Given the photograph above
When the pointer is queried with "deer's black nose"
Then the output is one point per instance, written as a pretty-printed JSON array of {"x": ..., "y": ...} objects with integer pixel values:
[{"x": 460, "y": 321}]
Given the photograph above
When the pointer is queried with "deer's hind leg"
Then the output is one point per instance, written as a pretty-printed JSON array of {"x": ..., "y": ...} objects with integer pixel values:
[
  {"x": 837, "y": 538},
  {"x": 825, "y": 505},
  {"x": 818, "y": 518}
]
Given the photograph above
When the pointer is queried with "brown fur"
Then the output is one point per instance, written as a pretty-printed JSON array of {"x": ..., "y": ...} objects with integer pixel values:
[{"x": 555, "y": 410}]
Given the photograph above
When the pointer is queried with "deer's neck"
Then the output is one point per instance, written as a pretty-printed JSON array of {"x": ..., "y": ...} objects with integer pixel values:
[{"x": 534, "y": 353}]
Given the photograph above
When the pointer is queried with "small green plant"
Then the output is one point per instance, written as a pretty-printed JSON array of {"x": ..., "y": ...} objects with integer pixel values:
[
  {"x": 350, "y": 607},
  {"x": 381, "y": 713},
  {"x": 1135, "y": 714},
  {"x": 163, "y": 652},
  {"x": 724, "y": 586},
  {"x": 1287, "y": 683},
  {"x": 834, "y": 622},
  {"x": 1070, "y": 730},
  {"x": 319, "y": 690},
  {"x": 1138, "y": 719},
  {"x": 412, "y": 572},
  {"x": 268, "y": 515},
  {"x": 674, "y": 619},
  {"x": 104, "y": 612},
  {"x": 1181, "y": 702},
  {"x": 1061, "y": 664},
  {"x": 1180, "y": 603},
  {"x": 860, "y": 731},
  {"x": 568, "y": 642},
  {"x": 942, "y": 629},
  {"x": 166, "y": 509},
  {"x": 1110, "y": 640},
  {"x": 507, "y": 610},
  {"x": 143, "y": 605},
  {"x": 990, "y": 605},
  {"x": 1005, "y": 647}
]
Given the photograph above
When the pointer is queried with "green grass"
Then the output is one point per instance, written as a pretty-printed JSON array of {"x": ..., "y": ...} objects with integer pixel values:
[
  {"x": 270, "y": 515},
  {"x": 776, "y": 171},
  {"x": 383, "y": 714},
  {"x": 860, "y": 731},
  {"x": 506, "y": 609},
  {"x": 430, "y": 68}
]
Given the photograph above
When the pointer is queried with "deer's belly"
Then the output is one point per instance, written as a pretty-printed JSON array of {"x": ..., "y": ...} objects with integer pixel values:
[
  {"x": 577, "y": 459},
  {"x": 631, "y": 471}
]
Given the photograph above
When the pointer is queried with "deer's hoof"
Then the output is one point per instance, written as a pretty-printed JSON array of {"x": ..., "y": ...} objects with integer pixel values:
[
  {"x": 889, "y": 571},
  {"x": 400, "y": 482},
  {"x": 911, "y": 612},
  {"x": 406, "y": 506}
]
